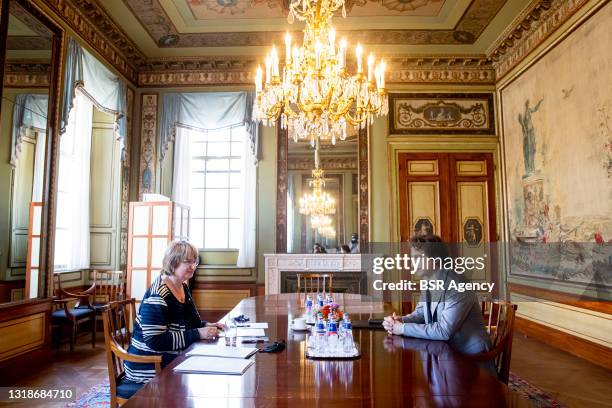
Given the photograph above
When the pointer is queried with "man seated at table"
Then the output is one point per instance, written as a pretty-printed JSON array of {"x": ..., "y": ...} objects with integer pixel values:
[
  {"x": 446, "y": 314},
  {"x": 167, "y": 320}
]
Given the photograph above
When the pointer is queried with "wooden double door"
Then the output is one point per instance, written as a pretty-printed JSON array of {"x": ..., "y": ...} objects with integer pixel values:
[{"x": 449, "y": 194}]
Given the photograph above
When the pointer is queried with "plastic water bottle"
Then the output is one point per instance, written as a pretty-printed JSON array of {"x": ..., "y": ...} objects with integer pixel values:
[
  {"x": 320, "y": 338},
  {"x": 308, "y": 308},
  {"x": 320, "y": 301},
  {"x": 332, "y": 336},
  {"x": 347, "y": 336},
  {"x": 345, "y": 317},
  {"x": 328, "y": 299}
]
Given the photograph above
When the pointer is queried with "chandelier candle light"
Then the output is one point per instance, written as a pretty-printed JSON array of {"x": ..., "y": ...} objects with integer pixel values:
[{"x": 316, "y": 97}]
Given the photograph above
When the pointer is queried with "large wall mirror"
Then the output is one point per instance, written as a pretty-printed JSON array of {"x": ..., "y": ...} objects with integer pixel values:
[
  {"x": 345, "y": 177},
  {"x": 89, "y": 183},
  {"x": 30, "y": 47}
]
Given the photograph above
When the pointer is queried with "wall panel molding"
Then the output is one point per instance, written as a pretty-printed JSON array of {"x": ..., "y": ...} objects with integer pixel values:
[
  {"x": 592, "y": 352},
  {"x": 148, "y": 131}
]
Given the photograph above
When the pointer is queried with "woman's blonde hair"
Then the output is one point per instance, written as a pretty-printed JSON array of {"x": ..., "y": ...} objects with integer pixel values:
[{"x": 177, "y": 252}]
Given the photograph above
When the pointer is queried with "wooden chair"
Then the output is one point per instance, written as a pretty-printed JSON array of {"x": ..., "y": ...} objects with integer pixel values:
[
  {"x": 500, "y": 326},
  {"x": 108, "y": 286},
  {"x": 118, "y": 318},
  {"x": 315, "y": 283},
  {"x": 66, "y": 315}
]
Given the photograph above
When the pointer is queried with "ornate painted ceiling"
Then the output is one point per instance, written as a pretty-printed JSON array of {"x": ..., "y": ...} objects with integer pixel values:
[
  {"x": 171, "y": 43},
  {"x": 165, "y": 28}
]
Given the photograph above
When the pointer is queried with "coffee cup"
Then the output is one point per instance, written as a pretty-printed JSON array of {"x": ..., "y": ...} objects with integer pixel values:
[{"x": 299, "y": 323}]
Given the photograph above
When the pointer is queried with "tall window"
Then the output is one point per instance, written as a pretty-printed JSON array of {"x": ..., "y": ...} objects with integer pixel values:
[{"x": 216, "y": 183}]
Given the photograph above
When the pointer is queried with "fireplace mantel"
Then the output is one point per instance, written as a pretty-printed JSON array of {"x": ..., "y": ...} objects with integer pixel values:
[{"x": 276, "y": 264}]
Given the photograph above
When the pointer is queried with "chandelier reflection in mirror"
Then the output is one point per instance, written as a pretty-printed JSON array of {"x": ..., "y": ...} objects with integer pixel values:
[
  {"x": 314, "y": 95},
  {"x": 318, "y": 202}
]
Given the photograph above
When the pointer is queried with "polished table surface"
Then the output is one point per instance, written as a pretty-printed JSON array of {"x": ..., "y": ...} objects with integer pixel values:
[{"x": 392, "y": 371}]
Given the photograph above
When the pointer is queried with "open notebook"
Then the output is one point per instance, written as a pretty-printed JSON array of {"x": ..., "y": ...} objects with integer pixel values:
[
  {"x": 214, "y": 365},
  {"x": 220, "y": 351}
]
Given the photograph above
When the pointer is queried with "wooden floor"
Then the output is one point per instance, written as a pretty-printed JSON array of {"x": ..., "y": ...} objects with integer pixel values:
[
  {"x": 84, "y": 369},
  {"x": 571, "y": 381}
]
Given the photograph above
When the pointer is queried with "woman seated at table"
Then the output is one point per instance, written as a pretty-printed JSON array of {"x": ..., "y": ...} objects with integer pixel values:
[
  {"x": 167, "y": 320},
  {"x": 445, "y": 314}
]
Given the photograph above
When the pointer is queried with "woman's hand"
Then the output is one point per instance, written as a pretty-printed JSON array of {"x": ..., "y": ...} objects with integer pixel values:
[
  {"x": 208, "y": 333},
  {"x": 219, "y": 326}
]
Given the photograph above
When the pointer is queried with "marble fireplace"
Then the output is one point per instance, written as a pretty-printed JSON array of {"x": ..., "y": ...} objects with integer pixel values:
[{"x": 282, "y": 269}]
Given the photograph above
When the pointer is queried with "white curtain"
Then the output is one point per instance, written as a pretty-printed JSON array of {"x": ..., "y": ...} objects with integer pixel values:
[
  {"x": 39, "y": 166},
  {"x": 181, "y": 175},
  {"x": 105, "y": 89},
  {"x": 72, "y": 236},
  {"x": 247, "y": 250}
]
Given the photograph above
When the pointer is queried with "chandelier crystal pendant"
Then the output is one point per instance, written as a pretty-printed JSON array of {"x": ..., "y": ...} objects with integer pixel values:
[
  {"x": 314, "y": 95},
  {"x": 319, "y": 222},
  {"x": 327, "y": 231}
]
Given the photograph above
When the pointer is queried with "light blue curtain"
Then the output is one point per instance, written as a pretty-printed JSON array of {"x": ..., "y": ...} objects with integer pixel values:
[
  {"x": 29, "y": 112},
  {"x": 206, "y": 111},
  {"x": 105, "y": 89}
]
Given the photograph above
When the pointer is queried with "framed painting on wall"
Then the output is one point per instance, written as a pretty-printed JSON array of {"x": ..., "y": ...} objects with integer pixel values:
[{"x": 441, "y": 113}]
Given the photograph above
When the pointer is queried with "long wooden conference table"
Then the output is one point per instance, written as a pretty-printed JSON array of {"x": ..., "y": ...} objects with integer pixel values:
[{"x": 392, "y": 371}]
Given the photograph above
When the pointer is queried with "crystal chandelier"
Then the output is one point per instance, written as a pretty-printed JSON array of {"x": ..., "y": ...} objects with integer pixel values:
[
  {"x": 318, "y": 202},
  {"x": 314, "y": 95}
]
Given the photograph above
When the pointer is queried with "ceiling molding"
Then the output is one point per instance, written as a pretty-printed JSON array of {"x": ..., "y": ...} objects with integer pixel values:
[
  {"x": 170, "y": 72},
  {"x": 27, "y": 74},
  {"x": 326, "y": 163},
  {"x": 530, "y": 30},
  {"x": 28, "y": 43},
  {"x": 93, "y": 25}
]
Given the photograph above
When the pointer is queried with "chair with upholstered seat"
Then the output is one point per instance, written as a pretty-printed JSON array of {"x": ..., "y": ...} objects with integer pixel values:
[
  {"x": 500, "y": 326},
  {"x": 72, "y": 309},
  {"x": 118, "y": 318}
]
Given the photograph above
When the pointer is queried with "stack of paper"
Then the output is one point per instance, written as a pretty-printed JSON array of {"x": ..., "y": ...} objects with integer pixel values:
[
  {"x": 247, "y": 332},
  {"x": 214, "y": 365},
  {"x": 220, "y": 351}
]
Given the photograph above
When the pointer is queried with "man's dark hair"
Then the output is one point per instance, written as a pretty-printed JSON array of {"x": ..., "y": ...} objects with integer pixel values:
[{"x": 431, "y": 245}]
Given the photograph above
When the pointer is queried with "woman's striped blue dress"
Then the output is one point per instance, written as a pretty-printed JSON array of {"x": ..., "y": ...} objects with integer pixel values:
[{"x": 164, "y": 326}]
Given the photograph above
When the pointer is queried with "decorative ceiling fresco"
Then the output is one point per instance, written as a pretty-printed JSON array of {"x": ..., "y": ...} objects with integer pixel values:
[
  {"x": 160, "y": 21},
  {"x": 211, "y": 9}
]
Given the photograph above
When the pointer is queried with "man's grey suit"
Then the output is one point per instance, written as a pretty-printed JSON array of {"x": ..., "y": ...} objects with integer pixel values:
[{"x": 451, "y": 316}]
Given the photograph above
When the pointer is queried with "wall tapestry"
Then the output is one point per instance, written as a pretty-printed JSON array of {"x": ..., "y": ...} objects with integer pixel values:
[{"x": 557, "y": 127}]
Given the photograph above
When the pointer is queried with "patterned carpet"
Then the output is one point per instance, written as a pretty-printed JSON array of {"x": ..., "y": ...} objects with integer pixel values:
[
  {"x": 99, "y": 395},
  {"x": 537, "y": 397}
]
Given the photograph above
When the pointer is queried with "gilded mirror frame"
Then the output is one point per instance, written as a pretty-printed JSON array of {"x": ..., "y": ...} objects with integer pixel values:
[
  {"x": 363, "y": 177},
  {"x": 52, "y": 143}
]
